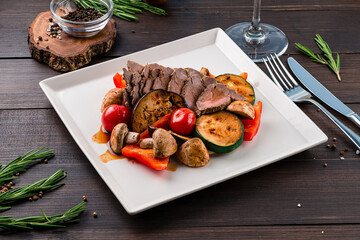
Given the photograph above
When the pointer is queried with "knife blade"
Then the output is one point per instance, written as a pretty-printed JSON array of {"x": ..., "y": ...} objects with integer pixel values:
[{"x": 317, "y": 89}]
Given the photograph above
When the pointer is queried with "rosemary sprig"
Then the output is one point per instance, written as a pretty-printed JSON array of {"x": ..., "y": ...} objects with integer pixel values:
[
  {"x": 56, "y": 221},
  {"x": 122, "y": 8},
  {"x": 18, "y": 193},
  {"x": 328, "y": 60},
  {"x": 22, "y": 163}
]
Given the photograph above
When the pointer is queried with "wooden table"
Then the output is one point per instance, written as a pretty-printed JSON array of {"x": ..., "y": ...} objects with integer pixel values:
[{"x": 258, "y": 205}]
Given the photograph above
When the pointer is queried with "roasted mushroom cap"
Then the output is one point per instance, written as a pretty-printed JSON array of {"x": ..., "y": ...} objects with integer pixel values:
[
  {"x": 242, "y": 108},
  {"x": 117, "y": 137},
  {"x": 193, "y": 153},
  {"x": 164, "y": 144},
  {"x": 114, "y": 96}
]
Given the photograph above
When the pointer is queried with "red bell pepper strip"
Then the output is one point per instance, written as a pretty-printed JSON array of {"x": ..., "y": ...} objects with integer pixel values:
[
  {"x": 251, "y": 127},
  {"x": 119, "y": 83},
  {"x": 163, "y": 122},
  {"x": 145, "y": 156},
  {"x": 244, "y": 75}
]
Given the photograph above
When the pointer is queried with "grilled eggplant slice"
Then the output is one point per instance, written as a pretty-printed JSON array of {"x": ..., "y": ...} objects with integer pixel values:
[{"x": 153, "y": 106}]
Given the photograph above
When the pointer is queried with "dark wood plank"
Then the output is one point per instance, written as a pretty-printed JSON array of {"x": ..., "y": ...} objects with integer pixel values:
[
  {"x": 19, "y": 80},
  {"x": 293, "y": 18},
  {"x": 266, "y": 196},
  {"x": 212, "y": 233}
]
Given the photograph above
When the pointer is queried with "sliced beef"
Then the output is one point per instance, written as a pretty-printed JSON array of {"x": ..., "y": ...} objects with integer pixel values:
[
  {"x": 155, "y": 65},
  {"x": 135, "y": 81},
  {"x": 134, "y": 67},
  {"x": 144, "y": 77},
  {"x": 162, "y": 81},
  {"x": 235, "y": 96},
  {"x": 192, "y": 71},
  {"x": 214, "y": 98},
  {"x": 209, "y": 80},
  {"x": 154, "y": 73},
  {"x": 177, "y": 80},
  {"x": 127, "y": 76},
  {"x": 191, "y": 91},
  {"x": 125, "y": 100}
]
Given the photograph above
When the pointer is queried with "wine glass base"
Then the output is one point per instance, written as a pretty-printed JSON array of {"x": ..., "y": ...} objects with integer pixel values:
[{"x": 273, "y": 40}]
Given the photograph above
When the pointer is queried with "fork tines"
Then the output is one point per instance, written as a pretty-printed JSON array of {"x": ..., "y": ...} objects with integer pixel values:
[{"x": 280, "y": 80}]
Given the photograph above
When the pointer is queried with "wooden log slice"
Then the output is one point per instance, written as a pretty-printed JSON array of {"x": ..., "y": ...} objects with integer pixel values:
[{"x": 69, "y": 53}]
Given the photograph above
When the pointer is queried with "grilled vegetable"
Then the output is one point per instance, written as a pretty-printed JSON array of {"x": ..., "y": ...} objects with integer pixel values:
[
  {"x": 145, "y": 156},
  {"x": 163, "y": 122},
  {"x": 193, "y": 153},
  {"x": 239, "y": 84},
  {"x": 114, "y": 96},
  {"x": 251, "y": 127},
  {"x": 164, "y": 143},
  {"x": 153, "y": 106},
  {"x": 147, "y": 143},
  {"x": 221, "y": 132},
  {"x": 242, "y": 108}
]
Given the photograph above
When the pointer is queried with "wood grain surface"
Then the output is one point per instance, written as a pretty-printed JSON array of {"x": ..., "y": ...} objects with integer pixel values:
[
  {"x": 259, "y": 205},
  {"x": 68, "y": 53}
]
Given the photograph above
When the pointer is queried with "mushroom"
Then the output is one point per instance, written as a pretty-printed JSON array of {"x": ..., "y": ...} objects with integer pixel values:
[
  {"x": 120, "y": 136},
  {"x": 147, "y": 143},
  {"x": 164, "y": 143},
  {"x": 114, "y": 96},
  {"x": 242, "y": 108},
  {"x": 132, "y": 138},
  {"x": 193, "y": 153},
  {"x": 117, "y": 137}
]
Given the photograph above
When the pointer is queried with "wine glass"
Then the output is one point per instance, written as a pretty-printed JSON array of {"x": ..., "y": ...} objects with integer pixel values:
[{"x": 257, "y": 39}]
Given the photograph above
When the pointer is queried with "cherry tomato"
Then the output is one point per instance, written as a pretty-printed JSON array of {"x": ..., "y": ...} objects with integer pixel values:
[
  {"x": 182, "y": 121},
  {"x": 113, "y": 115}
]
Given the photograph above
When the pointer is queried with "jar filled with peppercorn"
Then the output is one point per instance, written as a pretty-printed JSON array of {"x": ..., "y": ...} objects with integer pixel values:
[{"x": 78, "y": 20}]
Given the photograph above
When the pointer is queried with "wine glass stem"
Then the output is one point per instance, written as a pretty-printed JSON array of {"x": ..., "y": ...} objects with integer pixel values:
[
  {"x": 256, "y": 14},
  {"x": 255, "y": 35}
]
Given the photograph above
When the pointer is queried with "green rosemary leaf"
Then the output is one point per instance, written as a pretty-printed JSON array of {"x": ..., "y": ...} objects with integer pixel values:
[
  {"x": 15, "y": 194},
  {"x": 307, "y": 51},
  {"x": 22, "y": 163},
  {"x": 122, "y": 8},
  {"x": 56, "y": 221},
  {"x": 328, "y": 56}
]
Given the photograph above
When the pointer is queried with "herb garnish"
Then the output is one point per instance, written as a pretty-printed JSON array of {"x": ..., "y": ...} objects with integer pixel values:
[
  {"x": 18, "y": 193},
  {"x": 56, "y": 221},
  {"x": 324, "y": 47},
  {"x": 22, "y": 163},
  {"x": 122, "y": 8}
]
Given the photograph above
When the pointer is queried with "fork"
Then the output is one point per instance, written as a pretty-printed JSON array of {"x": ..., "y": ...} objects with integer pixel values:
[{"x": 297, "y": 94}]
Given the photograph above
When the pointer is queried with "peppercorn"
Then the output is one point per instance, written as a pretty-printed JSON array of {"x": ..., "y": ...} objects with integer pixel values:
[
  {"x": 50, "y": 19},
  {"x": 333, "y": 146},
  {"x": 334, "y": 139},
  {"x": 30, "y": 199},
  {"x": 46, "y": 160},
  {"x": 84, "y": 198},
  {"x": 35, "y": 198},
  {"x": 95, "y": 214},
  {"x": 325, "y": 164},
  {"x": 341, "y": 153}
]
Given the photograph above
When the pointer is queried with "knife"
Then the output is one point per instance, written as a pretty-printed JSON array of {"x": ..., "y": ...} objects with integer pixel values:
[{"x": 316, "y": 88}]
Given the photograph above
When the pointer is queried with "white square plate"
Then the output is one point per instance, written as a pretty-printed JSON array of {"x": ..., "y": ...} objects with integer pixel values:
[{"x": 285, "y": 130}]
